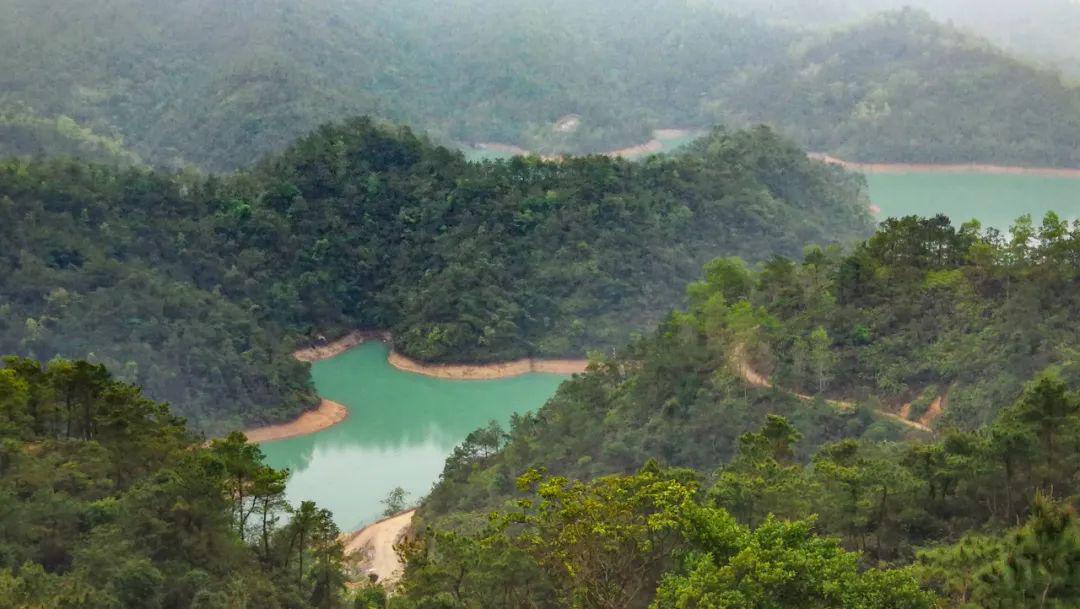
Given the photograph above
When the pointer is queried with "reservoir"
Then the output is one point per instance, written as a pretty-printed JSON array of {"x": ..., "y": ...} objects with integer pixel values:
[
  {"x": 996, "y": 200},
  {"x": 401, "y": 428}
]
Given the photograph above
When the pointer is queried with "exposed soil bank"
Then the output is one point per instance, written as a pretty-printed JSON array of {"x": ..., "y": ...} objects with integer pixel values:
[
  {"x": 656, "y": 144},
  {"x": 372, "y": 547},
  {"x": 328, "y": 414},
  {"x": 502, "y": 148},
  {"x": 339, "y": 346},
  {"x": 894, "y": 168},
  {"x": 486, "y": 372}
]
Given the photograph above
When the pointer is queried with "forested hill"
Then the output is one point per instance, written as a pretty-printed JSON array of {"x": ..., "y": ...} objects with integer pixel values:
[
  {"x": 921, "y": 310},
  {"x": 198, "y": 288},
  {"x": 110, "y": 503},
  {"x": 220, "y": 84},
  {"x": 901, "y": 88}
]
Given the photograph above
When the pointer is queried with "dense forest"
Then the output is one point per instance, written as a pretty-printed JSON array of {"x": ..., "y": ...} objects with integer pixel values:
[
  {"x": 220, "y": 84},
  {"x": 664, "y": 477},
  {"x": 107, "y": 501},
  {"x": 979, "y": 514},
  {"x": 198, "y": 288}
]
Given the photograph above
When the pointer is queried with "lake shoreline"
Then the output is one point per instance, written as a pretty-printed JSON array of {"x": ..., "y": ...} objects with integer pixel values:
[
  {"x": 325, "y": 416},
  {"x": 487, "y": 372},
  {"x": 957, "y": 168},
  {"x": 330, "y": 413}
]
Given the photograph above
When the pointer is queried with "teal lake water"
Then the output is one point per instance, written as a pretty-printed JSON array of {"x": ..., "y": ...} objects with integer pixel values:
[
  {"x": 401, "y": 427},
  {"x": 995, "y": 200}
]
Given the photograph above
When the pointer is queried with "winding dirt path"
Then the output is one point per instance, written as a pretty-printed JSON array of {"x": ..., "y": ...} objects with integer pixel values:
[
  {"x": 887, "y": 168},
  {"x": 756, "y": 379},
  {"x": 372, "y": 547}
]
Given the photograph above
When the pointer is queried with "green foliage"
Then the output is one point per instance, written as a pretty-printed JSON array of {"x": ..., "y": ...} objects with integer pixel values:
[
  {"x": 24, "y": 134},
  {"x": 394, "y": 501},
  {"x": 108, "y": 501},
  {"x": 197, "y": 289},
  {"x": 644, "y": 540}
]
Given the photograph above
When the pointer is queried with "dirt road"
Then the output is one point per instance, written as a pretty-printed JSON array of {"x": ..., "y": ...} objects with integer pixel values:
[
  {"x": 373, "y": 547},
  {"x": 756, "y": 379}
]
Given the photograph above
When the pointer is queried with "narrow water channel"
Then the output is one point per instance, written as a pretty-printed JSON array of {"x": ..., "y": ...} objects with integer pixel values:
[
  {"x": 401, "y": 427},
  {"x": 995, "y": 200}
]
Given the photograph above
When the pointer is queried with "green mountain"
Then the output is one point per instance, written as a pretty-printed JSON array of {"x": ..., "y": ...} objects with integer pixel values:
[
  {"x": 198, "y": 288},
  {"x": 1040, "y": 30},
  {"x": 220, "y": 85},
  {"x": 901, "y": 88},
  {"x": 920, "y": 311}
]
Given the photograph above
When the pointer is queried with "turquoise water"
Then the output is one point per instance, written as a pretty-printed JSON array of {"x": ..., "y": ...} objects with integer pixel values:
[
  {"x": 995, "y": 200},
  {"x": 401, "y": 427}
]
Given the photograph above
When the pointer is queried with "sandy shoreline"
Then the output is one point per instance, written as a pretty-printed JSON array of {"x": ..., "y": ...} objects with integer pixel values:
[
  {"x": 484, "y": 372},
  {"x": 328, "y": 414},
  {"x": 897, "y": 168}
]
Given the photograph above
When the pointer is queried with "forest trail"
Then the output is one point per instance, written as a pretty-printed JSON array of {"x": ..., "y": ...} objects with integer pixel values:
[
  {"x": 935, "y": 410},
  {"x": 372, "y": 547},
  {"x": 756, "y": 379}
]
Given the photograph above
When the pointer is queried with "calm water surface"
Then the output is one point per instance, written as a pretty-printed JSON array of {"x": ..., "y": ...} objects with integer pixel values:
[
  {"x": 401, "y": 427},
  {"x": 995, "y": 200}
]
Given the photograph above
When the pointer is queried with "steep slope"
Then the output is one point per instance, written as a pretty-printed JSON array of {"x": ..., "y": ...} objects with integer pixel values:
[
  {"x": 919, "y": 311},
  {"x": 573, "y": 498}
]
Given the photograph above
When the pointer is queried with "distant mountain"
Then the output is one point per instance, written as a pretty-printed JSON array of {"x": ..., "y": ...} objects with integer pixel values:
[
  {"x": 901, "y": 88},
  {"x": 220, "y": 84},
  {"x": 1040, "y": 30}
]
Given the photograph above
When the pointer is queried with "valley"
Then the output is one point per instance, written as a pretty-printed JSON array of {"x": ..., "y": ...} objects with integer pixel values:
[{"x": 522, "y": 304}]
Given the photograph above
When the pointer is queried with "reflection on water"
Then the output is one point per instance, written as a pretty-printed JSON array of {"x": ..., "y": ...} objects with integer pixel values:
[
  {"x": 995, "y": 200},
  {"x": 400, "y": 429}
]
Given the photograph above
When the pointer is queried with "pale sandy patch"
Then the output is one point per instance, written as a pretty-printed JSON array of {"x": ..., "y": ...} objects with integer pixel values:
[
  {"x": 894, "y": 168},
  {"x": 328, "y": 414},
  {"x": 372, "y": 547},
  {"x": 480, "y": 372}
]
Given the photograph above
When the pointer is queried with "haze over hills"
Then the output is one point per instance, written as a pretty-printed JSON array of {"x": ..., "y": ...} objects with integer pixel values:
[
  {"x": 221, "y": 84},
  {"x": 1040, "y": 30}
]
